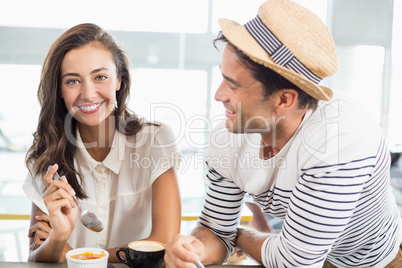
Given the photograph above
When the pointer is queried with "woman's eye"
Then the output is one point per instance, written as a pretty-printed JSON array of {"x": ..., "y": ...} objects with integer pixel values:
[
  {"x": 72, "y": 82},
  {"x": 100, "y": 77}
]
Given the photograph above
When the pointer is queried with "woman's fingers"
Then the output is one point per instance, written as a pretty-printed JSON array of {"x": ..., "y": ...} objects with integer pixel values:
[
  {"x": 40, "y": 236},
  {"x": 39, "y": 227},
  {"x": 61, "y": 205},
  {"x": 53, "y": 184},
  {"x": 42, "y": 217},
  {"x": 60, "y": 190},
  {"x": 38, "y": 239},
  {"x": 39, "y": 232},
  {"x": 50, "y": 174}
]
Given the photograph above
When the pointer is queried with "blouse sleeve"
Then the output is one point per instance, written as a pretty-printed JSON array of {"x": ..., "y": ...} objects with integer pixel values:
[
  {"x": 164, "y": 153},
  {"x": 33, "y": 188}
]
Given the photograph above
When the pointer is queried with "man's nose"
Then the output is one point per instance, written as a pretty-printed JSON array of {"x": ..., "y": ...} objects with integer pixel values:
[{"x": 221, "y": 94}]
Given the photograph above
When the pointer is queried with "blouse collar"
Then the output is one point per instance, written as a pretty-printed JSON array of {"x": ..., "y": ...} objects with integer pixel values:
[{"x": 86, "y": 164}]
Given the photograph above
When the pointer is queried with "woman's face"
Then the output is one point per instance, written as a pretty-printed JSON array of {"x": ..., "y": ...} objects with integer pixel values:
[{"x": 89, "y": 83}]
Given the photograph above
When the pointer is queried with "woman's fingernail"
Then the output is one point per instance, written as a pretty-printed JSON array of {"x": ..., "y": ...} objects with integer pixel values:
[{"x": 72, "y": 192}]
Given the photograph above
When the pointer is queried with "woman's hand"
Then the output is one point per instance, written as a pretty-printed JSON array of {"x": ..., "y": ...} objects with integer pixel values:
[
  {"x": 60, "y": 202},
  {"x": 39, "y": 232}
]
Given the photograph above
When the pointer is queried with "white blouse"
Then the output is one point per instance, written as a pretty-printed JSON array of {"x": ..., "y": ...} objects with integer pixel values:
[{"x": 119, "y": 188}]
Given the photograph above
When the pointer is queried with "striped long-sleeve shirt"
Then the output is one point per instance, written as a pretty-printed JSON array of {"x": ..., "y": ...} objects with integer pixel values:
[{"x": 330, "y": 184}]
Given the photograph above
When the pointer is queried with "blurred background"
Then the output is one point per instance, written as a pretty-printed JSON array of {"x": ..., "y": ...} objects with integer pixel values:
[{"x": 175, "y": 72}]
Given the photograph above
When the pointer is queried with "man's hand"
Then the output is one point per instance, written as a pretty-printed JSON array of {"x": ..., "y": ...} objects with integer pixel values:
[
  {"x": 238, "y": 251},
  {"x": 184, "y": 251},
  {"x": 250, "y": 242}
]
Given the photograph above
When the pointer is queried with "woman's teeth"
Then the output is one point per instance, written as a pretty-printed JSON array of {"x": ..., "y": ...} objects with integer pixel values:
[{"x": 90, "y": 107}]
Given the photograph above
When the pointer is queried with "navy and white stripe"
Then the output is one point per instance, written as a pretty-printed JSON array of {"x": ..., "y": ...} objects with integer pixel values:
[
  {"x": 339, "y": 212},
  {"x": 278, "y": 51},
  {"x": 221, "y": 213}
]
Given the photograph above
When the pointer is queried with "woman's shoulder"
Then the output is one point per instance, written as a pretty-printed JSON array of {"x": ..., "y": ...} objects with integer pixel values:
[
  {"x": 155, "y": 127},
  {"x": 155, "y": 132}
]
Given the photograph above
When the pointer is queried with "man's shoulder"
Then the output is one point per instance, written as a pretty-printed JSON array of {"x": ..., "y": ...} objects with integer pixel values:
[{"x": 339, "y": 130}]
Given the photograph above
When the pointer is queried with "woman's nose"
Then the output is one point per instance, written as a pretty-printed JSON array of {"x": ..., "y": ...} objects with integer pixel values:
[{"x": 88, "y": 91}]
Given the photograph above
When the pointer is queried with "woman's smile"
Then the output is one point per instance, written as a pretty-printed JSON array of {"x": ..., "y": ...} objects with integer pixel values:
[{"x": 90, "y": 108}]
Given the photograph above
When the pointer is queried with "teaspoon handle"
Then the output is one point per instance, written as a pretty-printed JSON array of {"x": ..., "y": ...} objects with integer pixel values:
[
  {"x": 199, "y": 264},
  {"x": 56, "y": 176}
]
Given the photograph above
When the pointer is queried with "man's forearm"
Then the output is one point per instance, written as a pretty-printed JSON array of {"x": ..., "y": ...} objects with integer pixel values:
[
  {"x": 215, "y": 250},
  {"x": 251, "y": 241}
]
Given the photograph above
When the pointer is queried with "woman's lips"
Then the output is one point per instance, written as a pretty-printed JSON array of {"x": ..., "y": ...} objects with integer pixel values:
[{"x": 89, "y": 109}]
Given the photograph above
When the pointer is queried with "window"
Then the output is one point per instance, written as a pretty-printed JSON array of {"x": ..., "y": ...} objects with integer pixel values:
[{"x": 122, "y": 15}]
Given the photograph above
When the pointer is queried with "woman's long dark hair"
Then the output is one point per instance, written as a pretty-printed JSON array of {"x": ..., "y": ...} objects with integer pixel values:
[{"x": 51, "y": 139}]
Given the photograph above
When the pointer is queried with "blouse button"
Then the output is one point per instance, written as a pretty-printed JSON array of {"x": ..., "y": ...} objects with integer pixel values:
[{"x": 99, "y": 169}]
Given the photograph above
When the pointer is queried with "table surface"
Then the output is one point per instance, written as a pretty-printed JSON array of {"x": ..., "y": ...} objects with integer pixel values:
[{"x": 110, "y": 265}]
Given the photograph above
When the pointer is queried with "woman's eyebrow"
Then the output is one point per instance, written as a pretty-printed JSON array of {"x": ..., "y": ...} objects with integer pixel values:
[
  {"x": 99, "y": 69},
  {"x": 70, "y": 74},
  {"x": 93, "y": 72}
]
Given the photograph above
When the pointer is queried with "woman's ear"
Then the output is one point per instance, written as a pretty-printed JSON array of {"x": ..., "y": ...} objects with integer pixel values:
[{"x": 118, "y": 84}]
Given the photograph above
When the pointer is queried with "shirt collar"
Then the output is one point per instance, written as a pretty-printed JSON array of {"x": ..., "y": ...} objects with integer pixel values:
[
  {"x": 86, "y": 164},
  {"x": 263, "y": 155},
  {"x": 117, "y": 153}
]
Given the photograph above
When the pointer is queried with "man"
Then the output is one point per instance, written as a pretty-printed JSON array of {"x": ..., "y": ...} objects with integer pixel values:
[{"x": 304, "y": 153}]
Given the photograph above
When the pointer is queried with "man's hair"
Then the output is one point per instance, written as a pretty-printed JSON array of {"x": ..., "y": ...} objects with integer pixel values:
[{"x": 270, "y": 80}]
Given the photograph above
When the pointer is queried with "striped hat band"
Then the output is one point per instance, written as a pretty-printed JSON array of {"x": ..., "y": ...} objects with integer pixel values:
[{"x": 278, "y": 52}]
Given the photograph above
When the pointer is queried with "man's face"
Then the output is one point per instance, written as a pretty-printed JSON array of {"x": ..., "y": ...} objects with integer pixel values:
[{"x": 247, "y": 110}]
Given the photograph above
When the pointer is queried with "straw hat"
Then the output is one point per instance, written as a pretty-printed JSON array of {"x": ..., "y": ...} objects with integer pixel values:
[{"x": 290, "y": 40}]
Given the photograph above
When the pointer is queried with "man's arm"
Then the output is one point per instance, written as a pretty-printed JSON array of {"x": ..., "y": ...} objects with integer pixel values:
[
  {"x": 203, "y": 245},
  {"x": 214, "y": 250},
  {"x": 251, "y": 241},
  {"x": 214, "y": 237}
]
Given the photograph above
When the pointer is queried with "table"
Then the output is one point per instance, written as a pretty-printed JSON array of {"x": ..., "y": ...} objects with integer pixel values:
[{"x": 110, "y": 265}]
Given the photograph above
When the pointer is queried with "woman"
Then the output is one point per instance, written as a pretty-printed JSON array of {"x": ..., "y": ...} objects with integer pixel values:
[{"x": 114, "y": 164}]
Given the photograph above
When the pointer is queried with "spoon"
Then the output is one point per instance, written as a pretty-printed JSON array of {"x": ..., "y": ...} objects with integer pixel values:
[
  {"x": 87, "y": 217},
  {"x": 199, "y": 264}
]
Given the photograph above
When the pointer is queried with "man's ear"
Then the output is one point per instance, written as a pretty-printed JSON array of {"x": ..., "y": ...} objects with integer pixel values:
[{"x": 287, "y": 99}]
